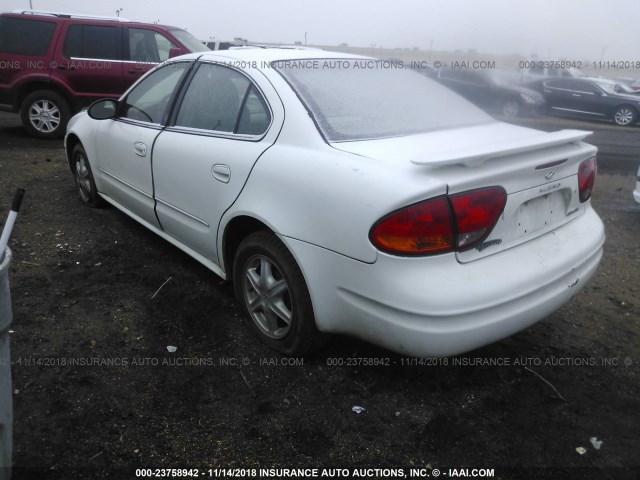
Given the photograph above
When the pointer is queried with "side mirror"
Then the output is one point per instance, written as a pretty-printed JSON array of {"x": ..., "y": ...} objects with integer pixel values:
[
  {"x": 103, "y": 109},
  {"x": 174, "y": 52}
]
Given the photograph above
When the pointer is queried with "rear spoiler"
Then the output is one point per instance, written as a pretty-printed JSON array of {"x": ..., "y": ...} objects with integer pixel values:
[{"x": 477, "y": 155}]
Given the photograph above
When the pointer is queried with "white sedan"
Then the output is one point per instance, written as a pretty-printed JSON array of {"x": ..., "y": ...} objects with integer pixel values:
[{"x": 347, "y": 195}]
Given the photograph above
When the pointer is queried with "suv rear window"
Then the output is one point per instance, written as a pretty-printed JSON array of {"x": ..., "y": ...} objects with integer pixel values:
[
  {"x": 25, "y": 37},
  {"x": 92, "y": 41}
]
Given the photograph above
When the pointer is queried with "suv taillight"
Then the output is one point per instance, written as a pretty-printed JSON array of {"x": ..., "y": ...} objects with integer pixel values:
[
  {"x": 443, "y": 224},
  {"x": 587, "y": 178}
]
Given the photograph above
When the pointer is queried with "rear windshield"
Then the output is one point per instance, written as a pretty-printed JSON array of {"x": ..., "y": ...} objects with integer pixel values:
[
  {"x": 359, "y": 99},
  {"x": 25, "y": 37}
]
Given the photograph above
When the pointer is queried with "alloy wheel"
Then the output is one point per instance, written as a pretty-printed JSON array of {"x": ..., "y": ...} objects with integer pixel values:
[
  {"x": 44, "y": 115},
  {"x": 267, "y": 295}
]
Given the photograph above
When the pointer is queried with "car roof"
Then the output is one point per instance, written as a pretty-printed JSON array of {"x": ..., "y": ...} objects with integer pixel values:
[{"x": 271, "y": 54}]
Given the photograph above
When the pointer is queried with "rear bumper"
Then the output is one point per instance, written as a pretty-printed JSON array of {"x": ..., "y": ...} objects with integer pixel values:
[{"x": 438, "y": 307}]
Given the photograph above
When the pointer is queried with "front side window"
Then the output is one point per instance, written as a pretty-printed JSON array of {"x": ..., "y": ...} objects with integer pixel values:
[
  {"x": 93, "y": 41},
  {"x": 148, "y": 46},
  {"x": 149, "y": 100},
  {"x": 223, "y": 100},
  {"x": 25, "y": 37},
  {"x": 357, "y": 99}
]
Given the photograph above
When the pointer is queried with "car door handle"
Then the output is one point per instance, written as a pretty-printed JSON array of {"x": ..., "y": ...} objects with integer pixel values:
[
  {"x": 140, "y": 149},
  {"x": 221, "y": 172},
  {"x": 576, "y": 95}
]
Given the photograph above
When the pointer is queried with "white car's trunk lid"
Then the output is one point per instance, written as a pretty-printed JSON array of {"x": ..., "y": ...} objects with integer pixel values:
[{"x": 538, "y": 170}]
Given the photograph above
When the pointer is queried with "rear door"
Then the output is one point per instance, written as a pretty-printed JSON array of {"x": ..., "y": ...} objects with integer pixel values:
[
  {"x": 596, "y": 101},
  {"x": 224, "y": 122},
  {"x": 89, "y": 60}
]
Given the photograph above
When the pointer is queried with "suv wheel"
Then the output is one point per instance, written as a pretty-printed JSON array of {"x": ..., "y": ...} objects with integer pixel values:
[{"x": 45, "y": 114}]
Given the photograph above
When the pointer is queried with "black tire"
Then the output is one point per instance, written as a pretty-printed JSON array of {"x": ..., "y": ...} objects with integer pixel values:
[
  {"x": 45, "y": 114},
  {"x": 277, "y": 286},
  {"x": 625, "y": 115},
  {"x": 510, "y": 108},
  {"x": 84, "y": 178}
]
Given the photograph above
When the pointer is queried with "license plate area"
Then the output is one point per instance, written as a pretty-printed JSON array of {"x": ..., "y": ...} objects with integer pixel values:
[
  {"x": 541, "y": 212},
  {"x": 529, "y": 214}
]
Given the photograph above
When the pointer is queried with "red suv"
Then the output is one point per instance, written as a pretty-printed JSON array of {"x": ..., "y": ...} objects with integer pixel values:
[{"x": 53, "y": 64}]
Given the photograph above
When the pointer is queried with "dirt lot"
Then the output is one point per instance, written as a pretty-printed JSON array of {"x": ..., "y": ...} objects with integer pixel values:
[{"x": 98, "y": 395}]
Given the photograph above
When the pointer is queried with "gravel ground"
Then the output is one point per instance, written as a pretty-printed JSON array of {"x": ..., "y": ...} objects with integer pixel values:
[{"x": 97, "y": 300}]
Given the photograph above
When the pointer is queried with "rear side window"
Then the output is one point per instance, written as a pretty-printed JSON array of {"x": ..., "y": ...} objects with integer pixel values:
[
  {"x": 25, "y": 37},
  {"x": 223, "y": 100},
  {"x": 93, "y": 41}
]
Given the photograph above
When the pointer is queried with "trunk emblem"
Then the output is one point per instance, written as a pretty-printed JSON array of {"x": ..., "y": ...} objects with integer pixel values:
[{"x": 549, "y": 175}]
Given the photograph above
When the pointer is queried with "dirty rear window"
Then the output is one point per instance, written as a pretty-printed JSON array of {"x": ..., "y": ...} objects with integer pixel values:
[{"x": 359, "y": 99}]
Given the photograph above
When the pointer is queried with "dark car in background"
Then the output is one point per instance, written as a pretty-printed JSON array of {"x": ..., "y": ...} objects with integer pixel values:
[
  {"x": 493, "y": 90},
  {"x": 53, "y": 64},
  {"x": 596, "y": 98}
]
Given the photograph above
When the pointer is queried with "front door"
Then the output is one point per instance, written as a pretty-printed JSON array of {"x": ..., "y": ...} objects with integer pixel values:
[{"x": 124, "y": 146}]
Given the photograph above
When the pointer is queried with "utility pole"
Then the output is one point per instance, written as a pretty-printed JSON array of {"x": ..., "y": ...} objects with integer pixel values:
[{"x": 604, "y": 49}]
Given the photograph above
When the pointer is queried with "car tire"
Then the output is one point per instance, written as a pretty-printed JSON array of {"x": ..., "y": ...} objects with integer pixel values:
[
  {"x": 45, "y": 114},
  {"x": 83, "y": 175},
  {"x": 625, "y": 115},
  {"x": 510, "y": 108},
  {"x": 274, "y": 295}
]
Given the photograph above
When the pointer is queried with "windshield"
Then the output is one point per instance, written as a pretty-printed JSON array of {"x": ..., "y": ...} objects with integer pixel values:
[
  {"x": 189, "y": 41},
  {"x": 357, "y": 99}
]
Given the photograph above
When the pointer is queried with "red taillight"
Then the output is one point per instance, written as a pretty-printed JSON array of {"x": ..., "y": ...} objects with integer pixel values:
[
  {"x": 442, "y": 224},
  {"x": 476, "y": 214},
  {"x": 587, "y": 178},
  {"x": 421, "y": 229}
]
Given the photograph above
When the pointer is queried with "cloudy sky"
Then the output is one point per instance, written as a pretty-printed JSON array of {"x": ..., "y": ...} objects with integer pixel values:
[{"x": 566, "y": 29}]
